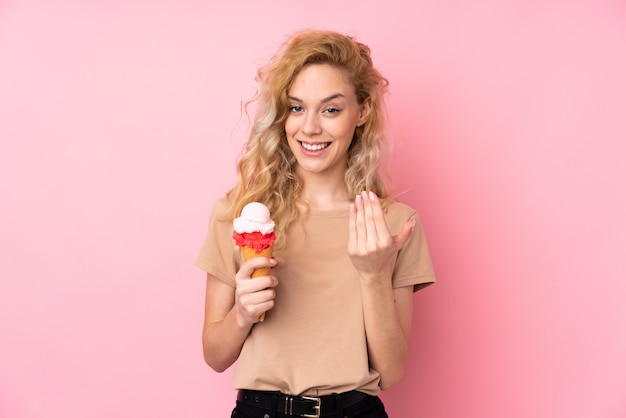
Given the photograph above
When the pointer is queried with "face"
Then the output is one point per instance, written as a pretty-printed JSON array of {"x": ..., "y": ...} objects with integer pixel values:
[{"x": 323, "y": 114}]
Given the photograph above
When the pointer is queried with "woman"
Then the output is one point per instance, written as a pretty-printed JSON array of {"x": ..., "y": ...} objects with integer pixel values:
[{"x": 347, "y": 259}]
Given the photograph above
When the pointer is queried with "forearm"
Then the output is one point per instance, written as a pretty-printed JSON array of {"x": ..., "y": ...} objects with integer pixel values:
[
  {"x": 222, "y": 341},
  {"x": 387, "y": 326}
]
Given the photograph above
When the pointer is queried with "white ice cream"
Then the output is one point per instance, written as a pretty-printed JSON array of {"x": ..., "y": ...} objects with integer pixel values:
[{"x": 255, "y": 217}]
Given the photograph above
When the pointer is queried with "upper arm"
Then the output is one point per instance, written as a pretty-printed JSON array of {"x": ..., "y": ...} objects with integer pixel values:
[{"x": 219, "y": 300}]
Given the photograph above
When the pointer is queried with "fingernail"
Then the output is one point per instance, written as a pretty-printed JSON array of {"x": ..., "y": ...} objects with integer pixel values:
[{"x": 372, "y": 196}]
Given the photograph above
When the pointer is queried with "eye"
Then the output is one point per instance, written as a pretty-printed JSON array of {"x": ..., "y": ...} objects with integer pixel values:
[
  {"x": 332, "y": 110},
  {"x": 295, "y": 109}
]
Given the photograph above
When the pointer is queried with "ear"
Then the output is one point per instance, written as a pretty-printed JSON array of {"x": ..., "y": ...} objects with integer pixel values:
[{"x": 364, "y": 112}]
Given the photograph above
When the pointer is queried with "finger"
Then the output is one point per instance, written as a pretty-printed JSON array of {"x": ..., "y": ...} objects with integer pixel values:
[
  {"x": 259, "y": 290},
  {"x": 404, "y": 235},
  {"x": 254, "y": 304},
  {"x": 361, "y": 228},
  {"x": 247, "y": 286},
  {"x": 248, "y": 266},
  {"x": 352, "y": 237},
  {"x": 378, "y": 217},
  {"x": 370, "y": 224}
]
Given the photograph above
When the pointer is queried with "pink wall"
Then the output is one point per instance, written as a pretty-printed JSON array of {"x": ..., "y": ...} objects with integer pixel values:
[{"x": 119, "y": 126}]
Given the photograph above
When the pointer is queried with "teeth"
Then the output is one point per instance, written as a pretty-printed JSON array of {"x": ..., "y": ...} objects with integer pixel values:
[{"x": 314, "y": 147}]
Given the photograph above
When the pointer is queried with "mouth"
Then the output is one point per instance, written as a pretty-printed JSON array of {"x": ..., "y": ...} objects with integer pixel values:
[{"x": 314, "y": 147}]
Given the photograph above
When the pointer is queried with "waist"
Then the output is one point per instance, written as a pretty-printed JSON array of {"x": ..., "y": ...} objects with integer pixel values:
[{"x": 300, "y": 406}]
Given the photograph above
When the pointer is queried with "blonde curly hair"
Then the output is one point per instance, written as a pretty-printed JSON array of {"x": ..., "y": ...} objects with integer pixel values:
[{"x": 266, "y": 169}]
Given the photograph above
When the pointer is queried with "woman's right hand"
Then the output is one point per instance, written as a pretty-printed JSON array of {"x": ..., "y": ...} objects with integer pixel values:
[{"x": 254, "y": 296}]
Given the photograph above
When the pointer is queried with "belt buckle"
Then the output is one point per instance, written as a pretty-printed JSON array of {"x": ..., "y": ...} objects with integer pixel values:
[{"x": 318, "y": 407}]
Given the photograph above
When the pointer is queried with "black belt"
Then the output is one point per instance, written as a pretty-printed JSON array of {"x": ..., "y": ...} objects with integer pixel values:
[{"x": 300, "y": 406}]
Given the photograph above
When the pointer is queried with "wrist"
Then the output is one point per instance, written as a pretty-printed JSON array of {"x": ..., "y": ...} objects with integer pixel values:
[{"x": 242, "y": 323}]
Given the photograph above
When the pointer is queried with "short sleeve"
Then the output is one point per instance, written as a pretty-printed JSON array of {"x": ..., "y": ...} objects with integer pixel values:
[
  {"x": 219, "y": 255},
  {"x": 413, "y": 265}
]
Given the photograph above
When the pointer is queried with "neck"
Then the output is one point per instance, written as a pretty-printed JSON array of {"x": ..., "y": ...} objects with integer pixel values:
[{"x": 323, "y": 193}]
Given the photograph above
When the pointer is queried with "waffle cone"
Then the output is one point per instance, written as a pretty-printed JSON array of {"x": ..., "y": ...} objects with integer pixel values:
[{"x": 249, "y": 252}]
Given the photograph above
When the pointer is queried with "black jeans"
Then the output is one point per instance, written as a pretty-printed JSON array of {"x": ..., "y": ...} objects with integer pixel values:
[{"x": 370, "y": 407}]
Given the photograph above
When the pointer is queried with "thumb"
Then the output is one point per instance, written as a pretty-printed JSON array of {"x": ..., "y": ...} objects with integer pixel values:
[{"x": 404, "y": 235}]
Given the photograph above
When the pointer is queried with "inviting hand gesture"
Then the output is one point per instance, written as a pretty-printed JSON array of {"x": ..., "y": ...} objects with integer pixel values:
[{"x": 370, "y": 246}]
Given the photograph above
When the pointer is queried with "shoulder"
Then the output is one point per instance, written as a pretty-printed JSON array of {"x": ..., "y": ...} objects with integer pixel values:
[
  {"x": 397, "y": 212},
  {"x": 394, "y": 208},
  {"x": 221, "y": 208}
]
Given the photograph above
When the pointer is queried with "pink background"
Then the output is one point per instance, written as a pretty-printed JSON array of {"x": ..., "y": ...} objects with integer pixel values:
[{"x": 119, "y": 127}]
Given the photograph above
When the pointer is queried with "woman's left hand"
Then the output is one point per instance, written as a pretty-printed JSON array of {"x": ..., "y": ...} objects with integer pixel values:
[{"x": 370, "y": 246}]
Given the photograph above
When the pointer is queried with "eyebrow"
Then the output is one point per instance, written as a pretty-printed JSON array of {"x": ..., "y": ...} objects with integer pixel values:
[{"x": 325, "y": 100}]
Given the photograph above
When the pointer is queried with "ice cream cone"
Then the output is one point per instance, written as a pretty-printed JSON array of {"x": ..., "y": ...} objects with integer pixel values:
[
  {"x": 249, "y": 252},
  {"x": 254, "y": 233}
]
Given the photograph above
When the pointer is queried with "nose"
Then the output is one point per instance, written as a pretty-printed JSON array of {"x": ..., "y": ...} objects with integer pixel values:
[{"x": 312, "y": 124}]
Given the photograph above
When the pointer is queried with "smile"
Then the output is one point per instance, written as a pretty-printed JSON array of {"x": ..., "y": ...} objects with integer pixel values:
[{"x": 314, "y": 147}]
